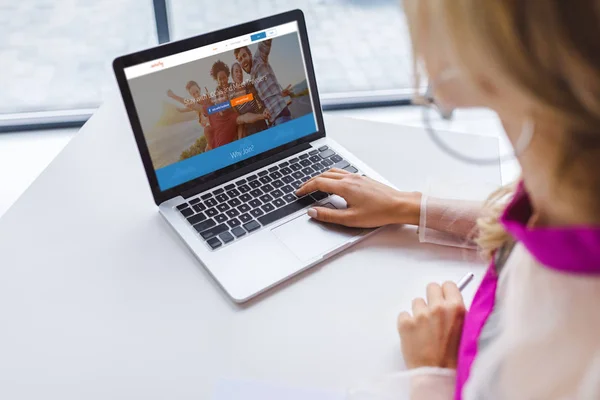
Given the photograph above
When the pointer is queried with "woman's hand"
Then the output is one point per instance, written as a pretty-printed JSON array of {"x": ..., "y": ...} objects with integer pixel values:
[
  {"x": 370, "y": 203},
  {"x": 431, "y": 336}
]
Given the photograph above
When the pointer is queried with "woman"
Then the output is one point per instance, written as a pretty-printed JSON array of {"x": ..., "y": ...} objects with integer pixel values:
[
  {"x": 199, "y": 105},
  {"x": 533, "y": 330},
  {"x": 253, "y": 106},
  {"x": 228, "y": 119}
]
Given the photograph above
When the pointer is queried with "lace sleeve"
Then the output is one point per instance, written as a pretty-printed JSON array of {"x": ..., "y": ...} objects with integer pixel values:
[{"x": 448, "y": 222}]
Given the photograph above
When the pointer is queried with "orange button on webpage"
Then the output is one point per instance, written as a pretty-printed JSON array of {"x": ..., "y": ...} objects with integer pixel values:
[{"x": 241, "y": 100}]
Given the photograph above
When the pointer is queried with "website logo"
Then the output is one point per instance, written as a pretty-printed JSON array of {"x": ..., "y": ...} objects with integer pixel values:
[{"x": 157, "y": 64}]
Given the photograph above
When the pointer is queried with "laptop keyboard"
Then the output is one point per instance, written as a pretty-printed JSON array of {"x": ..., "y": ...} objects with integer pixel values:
[{"x": 226, "y": 214}]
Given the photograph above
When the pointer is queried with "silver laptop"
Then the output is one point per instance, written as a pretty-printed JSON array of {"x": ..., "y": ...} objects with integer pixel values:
[{"x": 228, "y": 126}]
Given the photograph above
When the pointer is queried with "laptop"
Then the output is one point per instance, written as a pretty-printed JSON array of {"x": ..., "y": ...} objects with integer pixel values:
[{"x": 229, "y": 125}]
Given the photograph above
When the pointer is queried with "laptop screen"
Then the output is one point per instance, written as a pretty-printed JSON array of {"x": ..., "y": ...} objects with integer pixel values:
[{"x": 208, "y": 108}]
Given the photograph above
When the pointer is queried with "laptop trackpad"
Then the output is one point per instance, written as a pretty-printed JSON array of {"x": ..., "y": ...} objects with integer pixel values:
[{"x": 307, "y": 238}]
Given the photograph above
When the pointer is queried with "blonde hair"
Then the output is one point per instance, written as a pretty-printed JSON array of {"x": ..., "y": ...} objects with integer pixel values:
[{"x": 549, "y": 50}]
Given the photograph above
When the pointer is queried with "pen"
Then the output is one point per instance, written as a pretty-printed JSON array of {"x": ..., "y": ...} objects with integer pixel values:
[{"x": 465, "y": 281}]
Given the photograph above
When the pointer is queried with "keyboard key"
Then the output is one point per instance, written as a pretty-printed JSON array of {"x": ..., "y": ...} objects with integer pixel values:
[
  {"x": 296, "y": 185},
  {"x": 341, "y": 165},
  {"x": 326, "y": 153},
  {"x": 293, "y": 160},
  {"x": 290, "y": 197},
  {"x": 234, "y": 222},
  {"x": 327, "y": 163},
  {"x": 256, "y": 193},
  {"x": 303, "y": 156},
  {"x": 266, "y": 198},
  {"x": 214, "y": 231},
  {"x": 244, "y": 188},
  {"x": 313, "y": 152},
  {"x": 273, "y": 168},
  {"x": 296, "y": 167},
  {"x": 267, "y": 188},
  {"x": 221, "y": 218},
  {"x": 186, "y": 212},
  {"x": 315, "y": 174},
  {"x": 245, "y": 197},
  {"x": 233, "y": 193},
  {"x": 284, "y": 164},
  {"x": 297, "y": 175},
  {"x": 230, "y": 186},
  {"x": 287, "y": 210},
  {"x": 255, "y": 203},
  {"x": 268, "y": 207},
  {"x": 350, "y": 168},
  {"x": 265, "y": 179},
  {"x": 234, "y": 202},
  {"x": 244, "y": 208},
  {"x": 194, "y": 201},
  {"x": 238, "y": 231},
  {"x": 318, "y": 195},
  {"x": 304, "y": 179},
  {"x": 199, "y": 207},
  {"x": 252, "y": 226},
  {"x": 232, "y": 213},
  {"x": 254, "y": 184},
  {"x": 286, "y": 171},
  {"x": 214, "y": 243},
  {"x": 245, "y": 218},
  {"x": 287, "y": 189},
  {"x": 223, "y": 207},
  {"x": 277, "y": 183},
  {"x": 315, "y": 159},
  {"x": 211, "y": 212},
  {"x": 287, "y": 179},
  {"x": 276, "y": 193},
  {"x": 221, "y": 198},
  {"x": 194, "y": 219},
  {"x": 323, "y": 148},
  {"x": 279, "y": 203},
  {"x": 318, "y": 166},
  {"x": 251, "y": 177},
  {"x": 307, "y": 170},
  {"x": 202, "y": 226},
  {"x": 306, "y": 163},
  {"x": 257, "y": 212},
  {"x": 226, "y": 237},
  {"x": 336, "y": 158},
  {"x": 275, "y": 175},
  {"x": 206, "y": 196},
  {"x": 240, "y": 182},
  {"x": 263, "y": 173},
  {"x": 182, "y": 206},
  {"x": 218, "y": 191},
  {"x": 210, "y": 202}
]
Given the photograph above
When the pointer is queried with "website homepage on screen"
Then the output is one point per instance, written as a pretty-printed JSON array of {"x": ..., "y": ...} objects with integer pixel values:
[{"x": 211, "y": 107}]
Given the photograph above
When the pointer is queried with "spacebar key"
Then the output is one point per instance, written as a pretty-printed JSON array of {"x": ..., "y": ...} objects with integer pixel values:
[{"x": 287, "y": 210}]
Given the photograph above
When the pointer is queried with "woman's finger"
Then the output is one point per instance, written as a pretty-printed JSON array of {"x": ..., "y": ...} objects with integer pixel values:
[
  {"x": 331, "y": 215},
  {"x": 452, "y": 293},
  {"x": 328, "y": 174},
  {"x": 435, "y": 296},
  {"x": 419, "y": 306},
  {"x": 334, "y": 186},
  {"x": 340, "y": 171}
]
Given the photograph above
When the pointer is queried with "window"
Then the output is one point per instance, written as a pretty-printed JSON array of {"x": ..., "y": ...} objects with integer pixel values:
[
  {"x": 357, "y": 45},
  {"x": 57, "y": 55}
]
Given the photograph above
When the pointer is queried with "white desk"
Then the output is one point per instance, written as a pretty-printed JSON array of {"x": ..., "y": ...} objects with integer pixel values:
[{"x": 99, "y": 299}]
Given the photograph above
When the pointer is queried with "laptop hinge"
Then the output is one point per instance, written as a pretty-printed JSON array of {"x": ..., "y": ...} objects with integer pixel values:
[{"x": 245, "y": 170}]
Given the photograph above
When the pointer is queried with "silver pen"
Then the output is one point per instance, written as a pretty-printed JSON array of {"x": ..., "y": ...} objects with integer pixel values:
[{"x": 465, "y": 281}]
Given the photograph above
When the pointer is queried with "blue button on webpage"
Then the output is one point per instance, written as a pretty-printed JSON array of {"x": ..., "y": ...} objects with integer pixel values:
[{"x": 258, "y": 36}]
